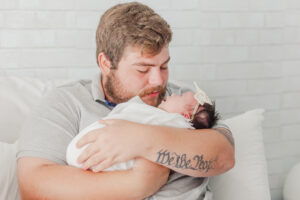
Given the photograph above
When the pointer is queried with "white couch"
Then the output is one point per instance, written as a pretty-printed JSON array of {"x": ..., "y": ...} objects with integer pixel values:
[{"x": 246, "y": 181}]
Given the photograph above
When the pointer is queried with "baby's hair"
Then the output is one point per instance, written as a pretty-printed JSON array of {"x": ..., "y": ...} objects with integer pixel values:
[{"x": 206, "y": 118}]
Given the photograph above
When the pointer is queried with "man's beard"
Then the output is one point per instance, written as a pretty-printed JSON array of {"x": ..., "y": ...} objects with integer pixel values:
[{"x": 118, "y": 93}]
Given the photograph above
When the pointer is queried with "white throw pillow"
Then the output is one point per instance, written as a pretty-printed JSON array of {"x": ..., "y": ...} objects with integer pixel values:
[
  {"x": 8, "y": 179},
  {"x": 248, "y": 180},
  {"x": 291, "y": 186},
  {"x": 18, "y": 95}
]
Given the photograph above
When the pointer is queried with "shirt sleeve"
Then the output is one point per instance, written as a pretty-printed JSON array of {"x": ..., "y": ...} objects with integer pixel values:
[
  {"x": 221, "y": 124},
  {"x": 50, "y": 127}
]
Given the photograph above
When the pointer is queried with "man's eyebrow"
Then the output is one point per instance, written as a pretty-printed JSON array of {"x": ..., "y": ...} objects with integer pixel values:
[{"x": 150, "y": 64}]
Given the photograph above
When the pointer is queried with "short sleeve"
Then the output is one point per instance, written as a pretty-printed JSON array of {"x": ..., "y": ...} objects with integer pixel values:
[
  {"x": 221, "y": 124},
  {"x": 50, "y": 127}
]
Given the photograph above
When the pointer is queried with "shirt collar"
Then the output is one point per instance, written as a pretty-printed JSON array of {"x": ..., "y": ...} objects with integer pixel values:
[{"x": 97, "y": 91}]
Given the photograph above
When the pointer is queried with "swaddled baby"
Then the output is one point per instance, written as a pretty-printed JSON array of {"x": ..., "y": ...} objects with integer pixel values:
[{"x": 188, "y": 110}]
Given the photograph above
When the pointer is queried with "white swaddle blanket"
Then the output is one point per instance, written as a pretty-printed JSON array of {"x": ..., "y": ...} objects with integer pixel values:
[{"x": 179, "y": 186}]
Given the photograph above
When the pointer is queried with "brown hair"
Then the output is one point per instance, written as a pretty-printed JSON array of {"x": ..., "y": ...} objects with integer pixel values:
[{"x": 131, "y": 24}]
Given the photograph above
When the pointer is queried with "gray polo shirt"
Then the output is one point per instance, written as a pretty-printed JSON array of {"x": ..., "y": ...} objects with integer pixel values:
[{"x": 62, "y": 114}]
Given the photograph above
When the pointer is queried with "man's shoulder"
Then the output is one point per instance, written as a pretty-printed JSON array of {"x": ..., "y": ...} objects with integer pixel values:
[
  {"x": 75, "y": 87},
  {"x": 178, "y": 87},
  {"x": 69, "y": 91}
]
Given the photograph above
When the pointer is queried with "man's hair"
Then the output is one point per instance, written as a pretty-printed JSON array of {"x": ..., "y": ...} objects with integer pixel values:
[
  {"x": 206, "y": 118},
  {"x": 131, "y": 24}
]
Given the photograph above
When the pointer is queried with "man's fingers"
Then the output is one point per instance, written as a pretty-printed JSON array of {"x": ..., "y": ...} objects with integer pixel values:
[
  {"x": 88, "y": 138},
  {"x": 102, "y": 166},
  {"x": 92, "y": 161},
  {"x": 87, "y": 153}
]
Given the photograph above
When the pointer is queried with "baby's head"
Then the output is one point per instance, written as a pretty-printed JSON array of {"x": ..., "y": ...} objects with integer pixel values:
[{"x": 204, "y": 117}]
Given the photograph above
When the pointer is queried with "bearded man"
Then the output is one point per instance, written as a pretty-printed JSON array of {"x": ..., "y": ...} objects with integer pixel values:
[{"x": 133, "y": 55}]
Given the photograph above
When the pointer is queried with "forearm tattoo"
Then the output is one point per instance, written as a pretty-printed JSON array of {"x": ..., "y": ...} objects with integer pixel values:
[
  {"x": 227, "y": 134},
  {"x": 181, "y": 161}
]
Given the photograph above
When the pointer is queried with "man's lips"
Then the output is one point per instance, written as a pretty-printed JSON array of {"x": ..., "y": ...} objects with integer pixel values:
[{"x": 153, "y": 94}]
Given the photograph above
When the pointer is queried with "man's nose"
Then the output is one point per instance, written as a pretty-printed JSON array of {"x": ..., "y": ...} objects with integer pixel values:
[{"x": 156, "y": 77}]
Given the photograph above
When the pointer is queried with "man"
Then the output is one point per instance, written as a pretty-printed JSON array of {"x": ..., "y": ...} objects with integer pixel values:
[{"x": 132, "y": 53}]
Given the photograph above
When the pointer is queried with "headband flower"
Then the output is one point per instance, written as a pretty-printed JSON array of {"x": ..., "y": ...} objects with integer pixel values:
[{"x": 201, "y": 97}]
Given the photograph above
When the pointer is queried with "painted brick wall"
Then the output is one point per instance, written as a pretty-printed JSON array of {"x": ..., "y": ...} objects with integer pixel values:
[{"x": 245, "y": 53}]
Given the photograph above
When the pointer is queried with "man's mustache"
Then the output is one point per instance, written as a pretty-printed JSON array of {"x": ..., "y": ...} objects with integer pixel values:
[{"x": 160, "y": 89}]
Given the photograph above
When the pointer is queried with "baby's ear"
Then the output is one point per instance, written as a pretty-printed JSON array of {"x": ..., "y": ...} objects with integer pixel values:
[{"x": 186, "y": 115}]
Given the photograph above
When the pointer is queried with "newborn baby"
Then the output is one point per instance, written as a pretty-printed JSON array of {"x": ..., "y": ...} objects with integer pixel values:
[
  {"x": 182, "y": 111},
  {"x": 188, "y": 110}
]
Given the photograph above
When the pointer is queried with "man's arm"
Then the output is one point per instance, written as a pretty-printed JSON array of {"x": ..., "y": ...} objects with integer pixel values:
[
  {"x": 42, "y": 179},
  {"x": 199, "y": 153}
]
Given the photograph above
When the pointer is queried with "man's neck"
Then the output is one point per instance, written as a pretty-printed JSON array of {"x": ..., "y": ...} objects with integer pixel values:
[{"x": 106, "y": 96}]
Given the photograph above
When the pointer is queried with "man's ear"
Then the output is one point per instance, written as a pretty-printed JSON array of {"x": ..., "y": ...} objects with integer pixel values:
[{"x": 104, "y": 63}]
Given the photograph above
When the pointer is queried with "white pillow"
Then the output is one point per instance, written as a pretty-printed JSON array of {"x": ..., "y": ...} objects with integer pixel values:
[
  {"x": 8, "y": 178},
  {"x": 17, "y": 97},
  {"x": 248, "y": 180},
  {"x": 291, "y": 186}
]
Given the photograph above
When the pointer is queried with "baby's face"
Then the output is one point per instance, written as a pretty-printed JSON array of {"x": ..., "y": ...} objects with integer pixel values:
[{"x": 182, "y": 104}]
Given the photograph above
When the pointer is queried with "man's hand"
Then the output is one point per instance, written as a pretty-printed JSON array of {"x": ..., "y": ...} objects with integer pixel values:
[{"x": 118, "y": 141}]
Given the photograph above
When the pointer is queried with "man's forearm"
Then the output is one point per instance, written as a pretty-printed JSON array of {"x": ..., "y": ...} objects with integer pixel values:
[
  {"x": 200, "y": 153},
  {"x": 52, "y": 181}
]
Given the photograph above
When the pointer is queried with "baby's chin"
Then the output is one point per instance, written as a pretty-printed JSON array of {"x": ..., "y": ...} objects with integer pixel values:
[{"x": 163, "y": 106}]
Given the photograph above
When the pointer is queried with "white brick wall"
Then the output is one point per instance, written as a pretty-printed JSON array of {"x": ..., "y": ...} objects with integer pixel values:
[{"x": 245, "y": 53}]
